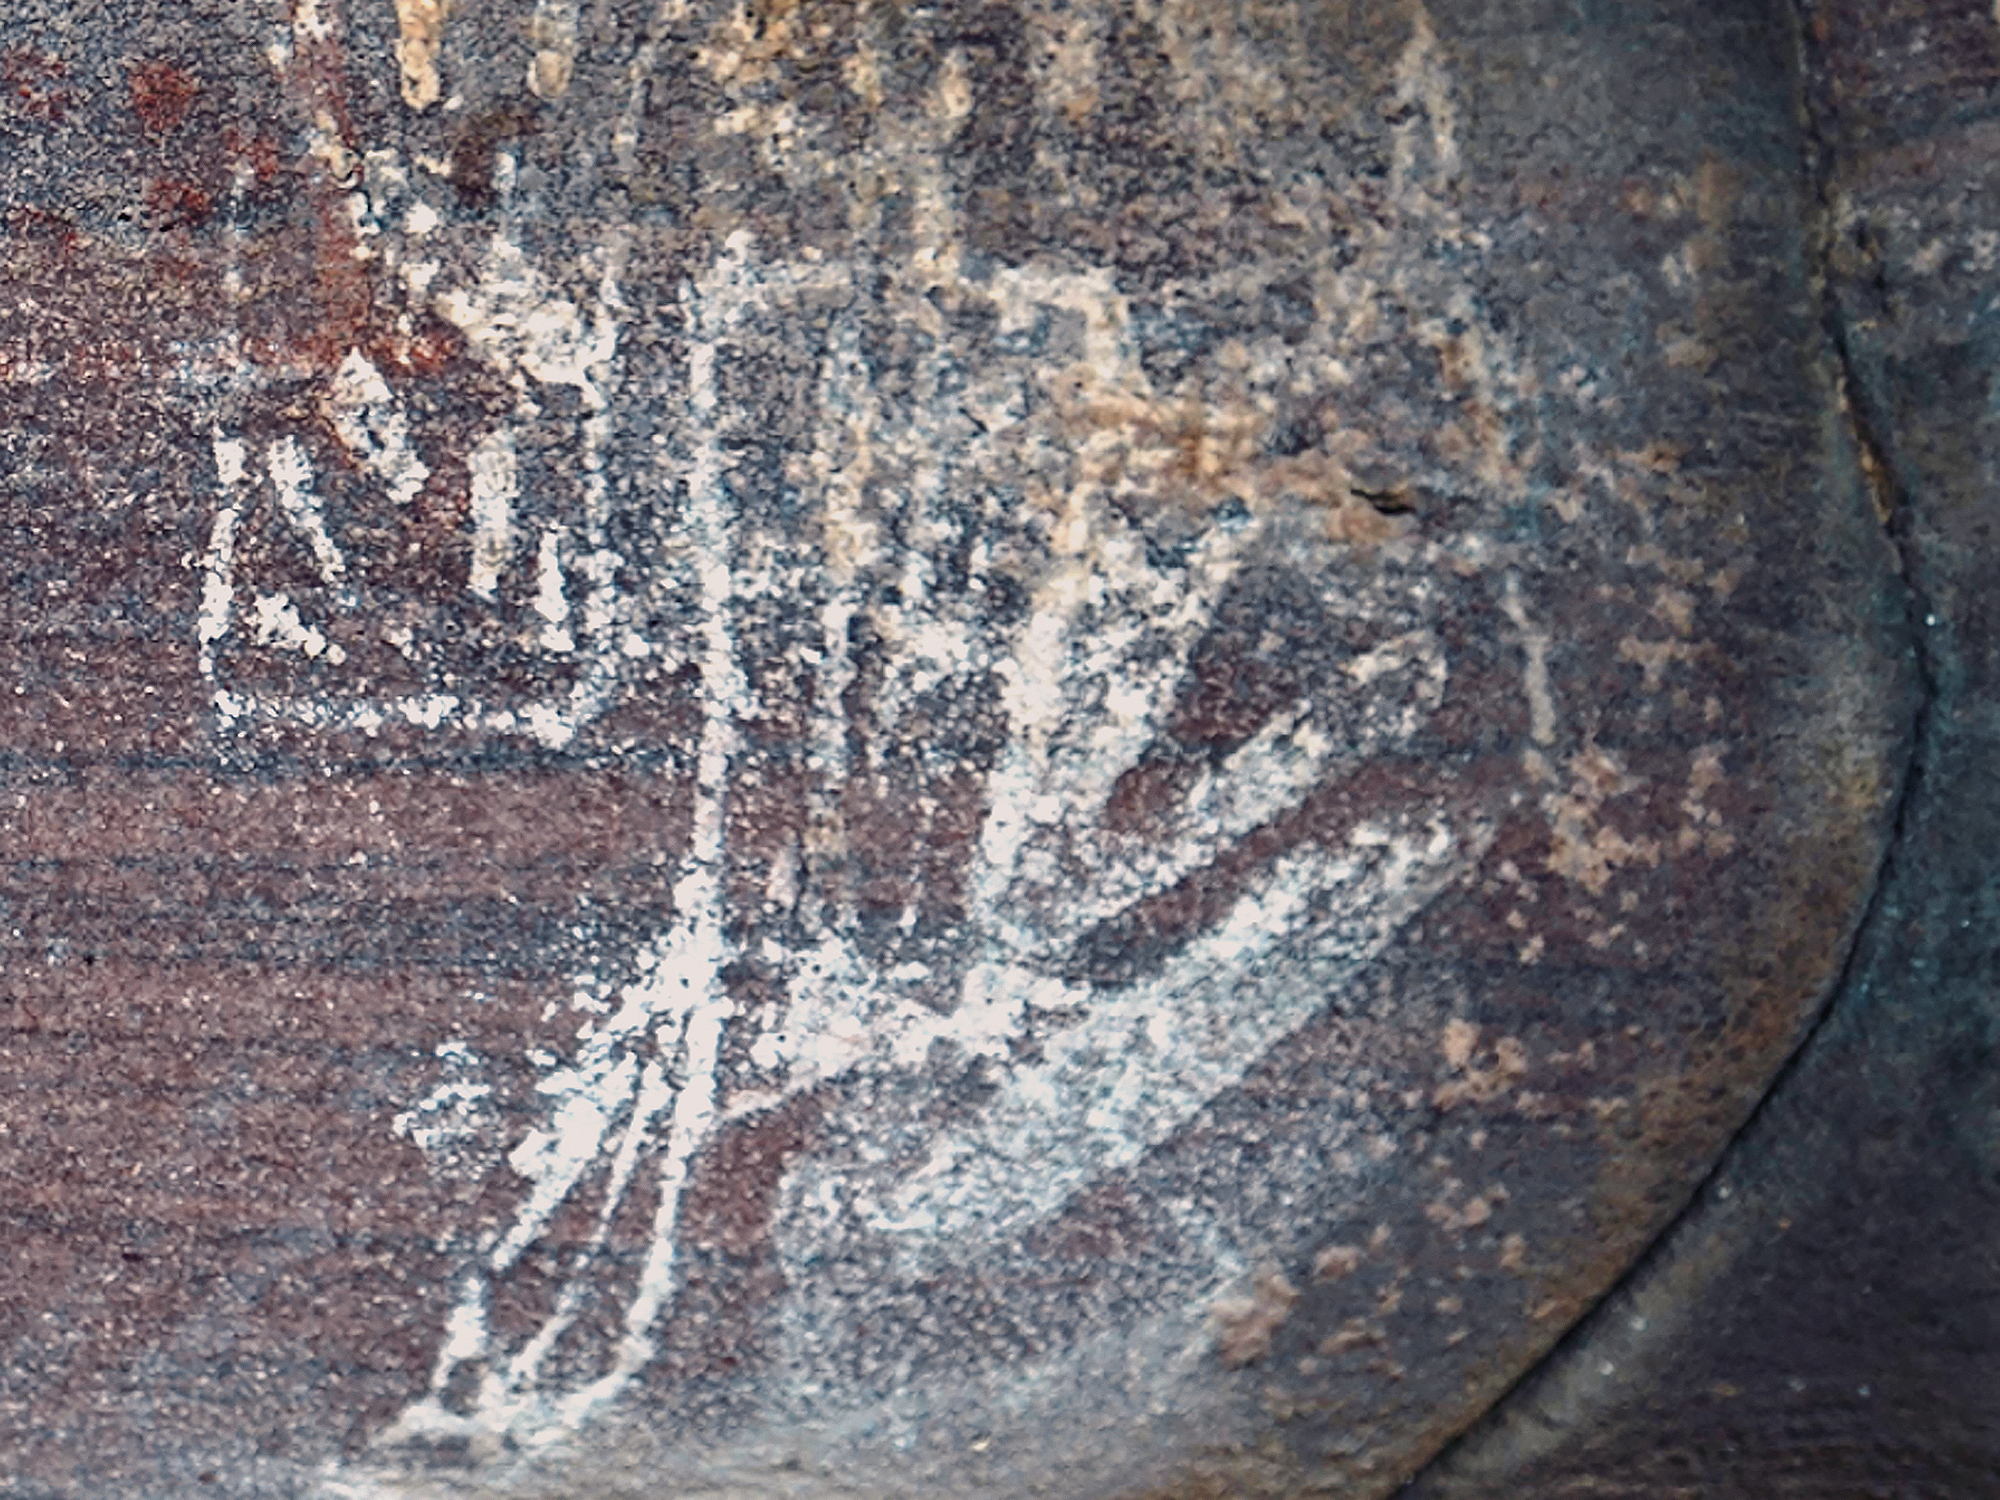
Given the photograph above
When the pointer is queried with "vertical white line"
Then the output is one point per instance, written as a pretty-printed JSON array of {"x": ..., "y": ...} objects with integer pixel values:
[
  {"x": 495, "y": 483},
  {"x": 218, "y": 590},
  {"x": 847, "y": 420},
  {"x": 553, "y": 33},
  {"x": 688, "y": 981},
  {"x": 602, "y": 649},
  {"x": 550, "y": 602},
  {"x": 1535, "y": 676},
  {"x": 291, "y": 476},
  {"x": 625, "y": 135}
]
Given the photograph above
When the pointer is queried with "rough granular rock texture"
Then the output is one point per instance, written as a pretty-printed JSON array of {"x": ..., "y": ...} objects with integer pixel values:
[
  {"x": 833, "y": 749},
  {"x": 1826, "y": 1320}
]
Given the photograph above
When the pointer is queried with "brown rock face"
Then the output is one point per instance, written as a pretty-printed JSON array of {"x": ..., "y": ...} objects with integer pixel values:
[{"x": 858, "y": 749}]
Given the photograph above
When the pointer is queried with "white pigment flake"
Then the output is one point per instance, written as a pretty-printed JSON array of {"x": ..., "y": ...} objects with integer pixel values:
[
  {"x": 292, "y": 477},
  {"x": 372, "y": 426},
  {"x": 494, "y": 486}
]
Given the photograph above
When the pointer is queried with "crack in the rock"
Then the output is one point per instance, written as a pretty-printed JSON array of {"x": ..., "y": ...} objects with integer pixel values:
[{"x": 1866, "y": 429}]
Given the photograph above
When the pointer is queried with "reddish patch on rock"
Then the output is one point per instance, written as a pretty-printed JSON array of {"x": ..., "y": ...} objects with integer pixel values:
[
  {"x": 425, "y": 345},
  {"x": 733, "y": 1200},
  {"x": 258, "y": 152},
  {"x": 44, "y": 226},
  {"x": 178, "y": 205},
  {"x": 162, "y": 96},
  {"x": 1146, "y": 793},
  {"x": 29, "y": 79},
  {"x": 1101, "y": 1224}
]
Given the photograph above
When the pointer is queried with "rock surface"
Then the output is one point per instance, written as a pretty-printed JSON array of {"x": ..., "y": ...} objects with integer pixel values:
[
  {"x": 863, "y": 749},
  {"x": 1827, "y": 1319}
]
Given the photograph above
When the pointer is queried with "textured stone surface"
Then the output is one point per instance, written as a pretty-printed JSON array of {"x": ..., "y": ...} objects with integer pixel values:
[
  {"x": 864, "y": 749},
  {"x": 1827, "y": 1321}
]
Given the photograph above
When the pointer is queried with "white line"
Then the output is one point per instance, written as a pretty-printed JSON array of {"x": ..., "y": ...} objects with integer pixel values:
[
  {"x": 291, "y": 476},
  {"x": 1535, "y": 678},
  {"x": 495, "y": 483}
]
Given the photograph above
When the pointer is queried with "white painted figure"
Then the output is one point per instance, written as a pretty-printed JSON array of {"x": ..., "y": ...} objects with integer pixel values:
[{"x": 1030, "y": 466}]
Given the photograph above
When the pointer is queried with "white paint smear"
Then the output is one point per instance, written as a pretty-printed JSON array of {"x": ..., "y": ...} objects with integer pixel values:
[
  {"x": 218, "y": 563},
  {"x": 494, "y": 486},
  {"x": 552, "y": 30},
  {"x": 368, "y": 417},
  {"x": 551, "y": 603},
  {"x": 291, "y": 478},
  {"x": 216, "y": 590},
  {"x": 275, "y": 620},
  {"x": 519, "y": 321},
  {"x": 1535, "y": 680}
]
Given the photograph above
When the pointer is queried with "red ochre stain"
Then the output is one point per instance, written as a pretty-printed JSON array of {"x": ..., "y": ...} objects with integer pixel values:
[
  {"x": 258, "y": 152},
  {"x": 178, "y": 205},
  {"x": 162, "y": 95},
  {"x": 45, "y": 226},
  {"x": 28, "y": 82},
  {"x": 341, "y": 297},
  {"x": 731, "y": 1202},
  {"x": 1103, "y": 1223}
]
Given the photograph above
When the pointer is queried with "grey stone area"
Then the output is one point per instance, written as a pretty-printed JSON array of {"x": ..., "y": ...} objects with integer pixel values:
[
  {"x": 1092, "y": 750},
  {"x": 1823, "y": 1320}
]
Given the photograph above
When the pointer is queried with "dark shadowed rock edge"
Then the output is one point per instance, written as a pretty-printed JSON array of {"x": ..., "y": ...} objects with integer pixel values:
[{"x": 1824, "y": 1321}]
